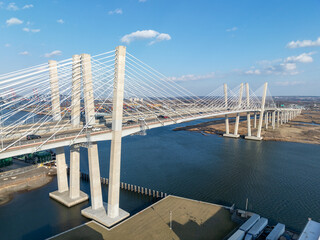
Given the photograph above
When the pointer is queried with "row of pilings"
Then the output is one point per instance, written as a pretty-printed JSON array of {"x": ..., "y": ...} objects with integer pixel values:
[{"x": 127, "y": 186}]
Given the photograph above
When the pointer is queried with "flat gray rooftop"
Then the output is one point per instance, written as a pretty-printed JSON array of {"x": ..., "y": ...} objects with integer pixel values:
[{"x": 190, "y": 220}]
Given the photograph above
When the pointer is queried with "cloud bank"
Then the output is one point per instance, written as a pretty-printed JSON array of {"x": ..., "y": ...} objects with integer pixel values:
[{"x": 304, "y": 43}]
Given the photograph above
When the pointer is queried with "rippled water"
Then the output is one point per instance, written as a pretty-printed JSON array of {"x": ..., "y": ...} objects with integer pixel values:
[{"x": 280, "y": 179}]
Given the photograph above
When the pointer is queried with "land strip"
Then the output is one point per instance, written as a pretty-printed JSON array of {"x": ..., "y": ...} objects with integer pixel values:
[
  {"x": 17, "y": 181},
  {"x": 305, "y": 128}
]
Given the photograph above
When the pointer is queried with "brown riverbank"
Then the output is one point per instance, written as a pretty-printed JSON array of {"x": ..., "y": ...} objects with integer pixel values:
[
  {"x": 24, "y": 181},
  {"x": 303, "y": 129}
]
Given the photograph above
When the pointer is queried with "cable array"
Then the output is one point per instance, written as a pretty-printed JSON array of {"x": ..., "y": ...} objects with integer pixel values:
[{"x": 26, "y": 105}]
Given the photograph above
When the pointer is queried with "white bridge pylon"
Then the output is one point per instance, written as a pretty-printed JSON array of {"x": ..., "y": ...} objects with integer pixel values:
[{"x": 85, "y": 99}]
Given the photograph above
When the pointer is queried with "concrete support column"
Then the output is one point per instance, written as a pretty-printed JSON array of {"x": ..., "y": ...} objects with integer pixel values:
[
  {"x": 61, "y": 170},
  {"x": 278, "y": 118},
  {"x": 262, "y": 110},
  {"x": 54, "y": 85},
  {"x": 281, "y": 119},
  {"x": 227, "y": 123},
  {"x": 94, "y": 175},
  {"x": 255, "y": 120},
  {"x": 88, "y": 89},
  {"x": 225, "y": 88},
  {"x": 115, "y": 153},
  {"x": 236, "y": 127},
  {"x": 76, "y": 90},
  {"x": 74, "y": 172},
  {"x": 273, "y": 120},
  {"x": 267, "y": 119},
  {"x": 248, "y": 114}
]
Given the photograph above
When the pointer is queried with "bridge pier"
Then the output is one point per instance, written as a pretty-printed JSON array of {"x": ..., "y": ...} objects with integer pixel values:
[
  {"x": 65, "y": 196},
  {"x": 97, "y": 210},
  {"x": 227, "y": 124},
  {"x": 267, "y": 119},
  {"x": 278, "y": 118},
  {"x": 255, "y": 120},
  {"x": 273, "y": 119},
  {"x": 258, "y": 137}
]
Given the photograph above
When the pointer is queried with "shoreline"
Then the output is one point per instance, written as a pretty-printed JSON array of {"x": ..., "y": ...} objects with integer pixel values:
[
  {"x": 305, "y": 128},
  {"x": 24, "y": 182}
]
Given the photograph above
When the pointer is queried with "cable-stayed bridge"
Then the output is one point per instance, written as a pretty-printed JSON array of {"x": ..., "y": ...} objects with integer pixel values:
[{"x": 79, "y": 101}]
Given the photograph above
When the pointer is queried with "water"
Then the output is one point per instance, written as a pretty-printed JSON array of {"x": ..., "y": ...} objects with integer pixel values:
[{"x": 280, "y": 179}]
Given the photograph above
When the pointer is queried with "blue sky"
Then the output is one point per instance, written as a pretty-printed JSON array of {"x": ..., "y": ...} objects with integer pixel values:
[{"x": 200, "y": 44}]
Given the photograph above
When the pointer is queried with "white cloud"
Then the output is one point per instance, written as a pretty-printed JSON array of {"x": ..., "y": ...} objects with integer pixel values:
[
  {"x": 1, "y": 5},
  {"x": 145, "y": 34},
  {"x": 116, "y": 11},
  {"x": 232, "y": 29},
  {"x": 31, "y": 30},
  {"x": 12, "y": 7},
  {"x": 60, "y": 21},
  {"x": 27, "y": 6},
  {"x": 253, "y": 72},
  {"x": 13, "y": 21},
  {"x": 142, "y": 0},
  {"x": 303, "y": 58},
  {"x": 7, "y": 45},
  {"x": 53, "y": 54},
  {"x": 288, "y": 83},
  {"x": 286, "y": 66},
  {"x": 161, "y": 37},
  {"x": 24, "y": 53},
  {"x": 304, "y": 43},
  {"x": 192, "y": 77}
]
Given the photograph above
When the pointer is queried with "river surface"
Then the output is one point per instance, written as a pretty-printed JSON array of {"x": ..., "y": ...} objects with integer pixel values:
[{"x": 280, "y": 179}]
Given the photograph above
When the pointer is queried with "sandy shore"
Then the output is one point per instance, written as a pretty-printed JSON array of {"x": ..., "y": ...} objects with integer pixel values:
[
  {"x": 303, "y": 129},
  {"x": 25, "y": 181}
]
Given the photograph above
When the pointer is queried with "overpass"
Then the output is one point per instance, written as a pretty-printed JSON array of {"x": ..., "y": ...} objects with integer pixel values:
[{"x": 85, "y": 99}]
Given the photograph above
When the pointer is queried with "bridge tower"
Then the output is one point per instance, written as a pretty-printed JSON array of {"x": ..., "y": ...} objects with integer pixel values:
[
  {"x": 236, "y": 126},
  {"x": 225, "y": 88},
  {"x": 114, "y": 212},
  {"x": 54, "y": 85},
  {"x": 64, "y": 195},
  {"x": 248, "y": 113},
  {"x": 109, "y": 214},
  {"x": 263, "y": 101}
]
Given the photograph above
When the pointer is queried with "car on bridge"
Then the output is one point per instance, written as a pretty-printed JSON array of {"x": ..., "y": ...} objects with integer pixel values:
[
  {"x": 162, "y": 116},
  {"x": 129, "y": 122},
  {"x": 33, "y": 136}
]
